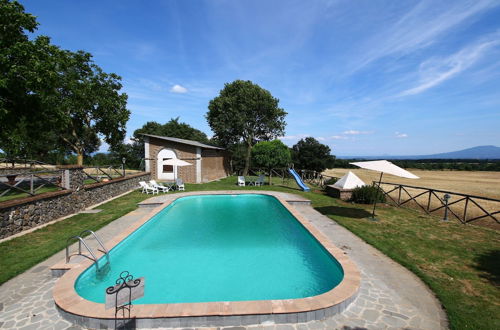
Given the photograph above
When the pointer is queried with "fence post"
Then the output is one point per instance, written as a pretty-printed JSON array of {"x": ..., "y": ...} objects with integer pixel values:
[
  {"x": 399, "y": 195},
  {"x": 31, "y": 184},
  {"x": 446, "y": 198},
  {"x": 429, "y": 200},
  {"x": 465, "y": 208}
]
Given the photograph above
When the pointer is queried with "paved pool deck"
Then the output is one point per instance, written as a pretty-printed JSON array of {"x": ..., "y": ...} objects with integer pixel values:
[{"x": 390, "y": 296}]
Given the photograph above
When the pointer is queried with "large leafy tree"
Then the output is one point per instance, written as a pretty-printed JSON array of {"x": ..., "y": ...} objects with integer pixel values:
[
  {"x": 90, "y": 106},
  {"x": 52, "y": 99},
  {"x": 28, "y": 70},
  {"x": 245, "y": 112},
  {"x": 271, "y": 154},
  {"x": 309, "y": 154}
]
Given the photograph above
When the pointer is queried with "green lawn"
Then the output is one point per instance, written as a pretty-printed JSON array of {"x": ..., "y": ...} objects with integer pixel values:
[
  {"x": 22, "y": 253},
  {"x": 459, "y": 263},
  {"x": 13, "y": 194}
]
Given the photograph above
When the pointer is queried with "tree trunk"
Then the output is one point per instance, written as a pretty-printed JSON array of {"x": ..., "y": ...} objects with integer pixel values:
[
  {"x": 247, "y": 159},
  {"x": 79, "y": 158}
]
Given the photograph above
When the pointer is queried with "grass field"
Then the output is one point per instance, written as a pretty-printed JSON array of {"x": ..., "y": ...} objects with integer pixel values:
[
  {"x": 484, "y": 184},
  {"x": 459, "y": 263},
  {"x": 478, "y": 183}
]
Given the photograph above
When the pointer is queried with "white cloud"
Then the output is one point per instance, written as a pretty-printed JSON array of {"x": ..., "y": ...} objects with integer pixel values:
[
  {"x": 294, "y": 137},
  {"x": 338, "y": 137},
  {"x": 178, "y": 89},
  {"x": 421, "y": 27},
  {"x": 354, "y": 132},
  {"x": 437, "y": 70},
  {"x": 401, "y": 135}
]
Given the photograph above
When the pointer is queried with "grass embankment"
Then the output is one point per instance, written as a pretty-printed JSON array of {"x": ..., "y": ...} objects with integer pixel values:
[
  {"x": 459, "y": 263},
  {"x": 22, "y": 253}
]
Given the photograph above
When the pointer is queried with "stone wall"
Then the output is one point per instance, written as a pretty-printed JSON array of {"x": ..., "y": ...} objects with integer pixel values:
[
  {"x": 343, "y": 194},
  {"x": 25, "y": 213}
]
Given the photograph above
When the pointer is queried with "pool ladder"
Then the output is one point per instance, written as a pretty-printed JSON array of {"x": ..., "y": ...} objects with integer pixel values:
[{"x": 82, "y": 241}]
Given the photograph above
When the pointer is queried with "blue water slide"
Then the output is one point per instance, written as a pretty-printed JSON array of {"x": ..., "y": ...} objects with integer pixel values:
[{"x": 298, "y": 179}]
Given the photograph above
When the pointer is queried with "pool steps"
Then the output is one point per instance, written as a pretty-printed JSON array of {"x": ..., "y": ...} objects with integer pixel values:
[{"x": 60, "y": 268}]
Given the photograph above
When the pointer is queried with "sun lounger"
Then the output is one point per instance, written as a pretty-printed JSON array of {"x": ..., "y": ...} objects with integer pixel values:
[
  {"x": 147, "y": 188},
  {"x": 159, "y": 186}
]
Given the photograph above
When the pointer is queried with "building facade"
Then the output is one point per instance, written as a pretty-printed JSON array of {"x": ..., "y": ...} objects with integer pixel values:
[{"x": 208, "y": 163}]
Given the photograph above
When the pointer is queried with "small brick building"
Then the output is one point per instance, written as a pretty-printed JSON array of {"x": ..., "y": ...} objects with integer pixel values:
[{"x": 208, "y": 162}]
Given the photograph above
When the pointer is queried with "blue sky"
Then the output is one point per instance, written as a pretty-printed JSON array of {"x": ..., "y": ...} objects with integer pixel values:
[{"x": 365, "y": 77}]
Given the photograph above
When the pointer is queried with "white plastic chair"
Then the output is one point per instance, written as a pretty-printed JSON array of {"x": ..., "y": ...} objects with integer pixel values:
[
  {"x": 179, "y": 184},
  {"x": 260, "y": 180},
  {"x": 241, "y": 181},
  {"x": 147, "y": 188},
  {"x": 158, "y": 186}
]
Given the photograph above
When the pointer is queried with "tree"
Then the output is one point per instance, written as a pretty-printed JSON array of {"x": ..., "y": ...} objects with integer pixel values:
[
  {"x": 245, "y": 112},
  {"x": 271, "y": 154},
  {"x": 90, "y": 105},
  {"x": 172, "y": 128},
  {"x": 309, "y": 154},
  {"x": 27, "y": 71},
  {"x": 51, "y": 98}
]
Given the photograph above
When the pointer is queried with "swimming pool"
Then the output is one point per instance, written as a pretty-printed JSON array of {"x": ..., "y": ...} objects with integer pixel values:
[
  {"x": 220, "y": 248},
  {"x": 294, "y": 232}
]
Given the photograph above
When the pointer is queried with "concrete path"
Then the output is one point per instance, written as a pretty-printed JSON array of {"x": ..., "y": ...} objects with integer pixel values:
[{"x": 390, "y": 296}]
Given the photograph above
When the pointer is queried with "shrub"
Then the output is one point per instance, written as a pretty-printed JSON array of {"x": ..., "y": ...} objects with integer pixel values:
[
  {"x": 366, "y": 195},
  {"x": 331, "y": 181}
]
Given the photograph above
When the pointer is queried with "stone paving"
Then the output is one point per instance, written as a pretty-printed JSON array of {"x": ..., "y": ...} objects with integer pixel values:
[{"x": 390, "y": 296}]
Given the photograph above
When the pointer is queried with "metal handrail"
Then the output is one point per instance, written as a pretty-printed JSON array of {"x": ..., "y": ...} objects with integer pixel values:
[
  {"x": 106, "y": 252},
  {"x": 82, "y": 241}
]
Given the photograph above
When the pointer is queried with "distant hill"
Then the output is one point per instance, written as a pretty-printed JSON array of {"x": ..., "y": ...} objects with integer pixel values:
[{"x": 480, "y": 152}]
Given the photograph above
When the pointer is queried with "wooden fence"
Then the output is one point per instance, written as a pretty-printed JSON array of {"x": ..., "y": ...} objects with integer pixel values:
[
  {"x": 32, "y": 178},
  {"x": 107, "y": 172},
  {"x": 29, "y": 183},
  {"x": 465, "y": 208}
]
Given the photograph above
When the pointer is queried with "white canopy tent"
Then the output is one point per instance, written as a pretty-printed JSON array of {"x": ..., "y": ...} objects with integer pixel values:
[
  {"x": 349, "y": 181},
  {"x": 384, "y": 166}
]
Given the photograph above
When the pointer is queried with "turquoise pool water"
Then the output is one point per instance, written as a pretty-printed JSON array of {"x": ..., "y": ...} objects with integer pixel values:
[{"x": 219, "y": 248}]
